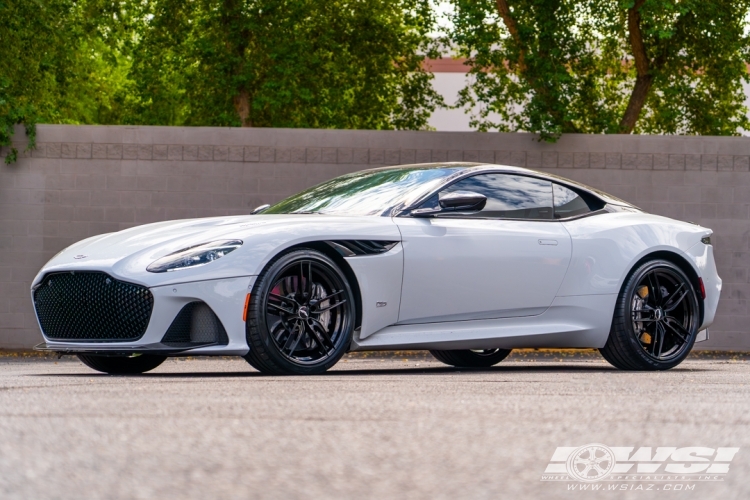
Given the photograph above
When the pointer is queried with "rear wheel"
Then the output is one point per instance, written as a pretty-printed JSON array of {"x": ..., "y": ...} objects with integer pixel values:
[
  {"x": 301, "y": 315},
  {"x": 656, "y": 319},
  {"x": 472, "y": 358},
  {"x": 122, "y": 365}
]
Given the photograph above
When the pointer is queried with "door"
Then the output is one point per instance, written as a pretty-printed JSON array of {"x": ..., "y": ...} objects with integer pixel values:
[{"x": 506, "y": 260}]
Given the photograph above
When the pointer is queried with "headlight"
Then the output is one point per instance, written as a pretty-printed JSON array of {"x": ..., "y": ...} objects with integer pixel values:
[
  {"x": 197, "y": 255},
  {"x": 706, "y": 240}
]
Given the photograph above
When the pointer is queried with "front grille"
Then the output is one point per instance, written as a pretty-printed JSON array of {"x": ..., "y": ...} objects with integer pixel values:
[{"x": 92, "y": 307}]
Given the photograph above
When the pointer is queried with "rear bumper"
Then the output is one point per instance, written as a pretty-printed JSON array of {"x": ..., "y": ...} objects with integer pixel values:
[{"x": 703, "y": 257}]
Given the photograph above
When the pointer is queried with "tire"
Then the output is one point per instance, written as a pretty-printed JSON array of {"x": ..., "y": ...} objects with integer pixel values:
[
  {"x": 472, "y": 359},
  {"x": 292, "y": 328},
  {"x": 661, "y": 295},
  {"x": 122, "y": 365}
]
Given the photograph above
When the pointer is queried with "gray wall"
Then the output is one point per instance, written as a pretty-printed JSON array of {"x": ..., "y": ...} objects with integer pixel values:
[{"x": 86, "y": 180}]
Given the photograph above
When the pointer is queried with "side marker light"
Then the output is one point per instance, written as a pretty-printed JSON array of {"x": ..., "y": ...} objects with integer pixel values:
[{"x": 247, "y": 304}]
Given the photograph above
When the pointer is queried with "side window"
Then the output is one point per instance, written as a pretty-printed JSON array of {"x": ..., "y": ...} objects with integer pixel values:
[
  {"x": 568, "y": 203},
  {"x": 508, "y": 196}
]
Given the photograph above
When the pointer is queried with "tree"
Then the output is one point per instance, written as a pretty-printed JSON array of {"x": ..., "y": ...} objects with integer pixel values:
[
  {"x": 644, "y": 66},
  {"x": 285, "y": 63}
]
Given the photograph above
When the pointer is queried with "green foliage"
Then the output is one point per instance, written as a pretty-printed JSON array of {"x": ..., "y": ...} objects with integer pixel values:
[
  {"x": 265, "y": 63},
  {"x": 285, "y": 63},
  {"x": 570, "y": 66}
]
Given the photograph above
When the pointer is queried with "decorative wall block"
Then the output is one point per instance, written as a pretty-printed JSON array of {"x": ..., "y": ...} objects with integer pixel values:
[
  {"x": 486, "y": 156},
  {"x": 114, "y": 151},
  {"x": 408, "y": 156},
  {"x": 549, "y": 159},
  {"x": 298, "y": 155},
  {"x": 741, "y": 164},
  {"x": 54, "y": 150},
  {"x": 676, "y": 162},
  {"x": 645, "y": 162},
  {"x": 580, "y": 160},
  {"x": 596, "y": 160},
  {"x": 283, "y": 155},
  {"x": 518, "y": 158},
  {"x": 160, "y": 152},
  {"x": 392, "y": 156},
  {"x": 83, "y": 151},
  {"x": 725, "y": 162},
  {"x": 439, "y": 155},
  {"x": 99, "y": 151},
  {"x": 267, "y": 155},
  {"x": 661, "y": 161},
  {"x": 145, "y": 151},
  {"x": 328, "y": 155},
  {"x": 455, "y": 155},
  {"x": 612, "y": 160},
  {"x": 236, "y": 153},
  {"x": 565, "y": 160},
  {"x": 190, "y": 153},
  {"x": 312, "y": 155},
  {"x": 174, "y": 152},
  {"x": 423, "y": 156},
  {"x": 692, "y": 162},
  {"x": 130, "y": 151},
  {"x": 534, "y": 159},
  {"x": 221, "y": 153},
  {"x": 344, "y": 155},
  {"x": 709, "y": 162},
  {"x": 205, "y": 153},
  {"x": 629, "y": 161},
  {"x": 377, "y": 156},
  {"x": 360, "y": 156}
]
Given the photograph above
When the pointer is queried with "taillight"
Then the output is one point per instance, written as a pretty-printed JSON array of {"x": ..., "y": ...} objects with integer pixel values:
[{"x": 703, "y": 288}]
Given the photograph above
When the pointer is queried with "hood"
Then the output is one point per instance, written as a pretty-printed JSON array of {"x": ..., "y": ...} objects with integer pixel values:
[{"x": 126, "y": 254}]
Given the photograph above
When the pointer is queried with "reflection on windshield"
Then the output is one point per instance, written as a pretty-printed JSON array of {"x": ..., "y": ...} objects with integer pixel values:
[{"x": 373, "y": 192}]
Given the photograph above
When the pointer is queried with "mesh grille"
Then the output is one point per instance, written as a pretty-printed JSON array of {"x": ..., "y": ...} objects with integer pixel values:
[
  {"x": 195, "y": 323},
  {"x": 92, "y": 306}
]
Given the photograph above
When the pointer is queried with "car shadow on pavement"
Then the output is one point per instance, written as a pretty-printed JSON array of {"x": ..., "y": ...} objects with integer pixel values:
[{"x": 375, "y": 372}]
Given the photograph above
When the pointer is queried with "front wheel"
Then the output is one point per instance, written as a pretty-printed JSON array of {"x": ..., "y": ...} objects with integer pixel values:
[
  {"x": 656, "y": 319},
  {"x": 301, "y": 315},
  {"x": 122, "y": 365},
  {"x": 472, "y": 358}
]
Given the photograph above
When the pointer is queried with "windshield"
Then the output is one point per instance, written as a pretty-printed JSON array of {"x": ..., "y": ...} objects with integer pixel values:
[{"x": 371, "y": 192}]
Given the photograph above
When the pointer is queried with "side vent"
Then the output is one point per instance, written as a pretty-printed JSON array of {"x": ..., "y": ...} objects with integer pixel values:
[
  {"x": 353, "y": 248},
  {"x": 196, "y": 324}
]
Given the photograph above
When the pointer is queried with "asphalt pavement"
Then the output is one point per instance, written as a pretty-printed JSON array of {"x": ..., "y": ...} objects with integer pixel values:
[{"x": 401, "y": 426}]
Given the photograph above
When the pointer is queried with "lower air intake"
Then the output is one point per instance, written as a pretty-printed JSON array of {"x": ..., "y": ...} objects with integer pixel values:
[{"x": 195, "y": 324}]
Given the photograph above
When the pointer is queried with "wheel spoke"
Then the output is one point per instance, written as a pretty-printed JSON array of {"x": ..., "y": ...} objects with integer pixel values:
[
  {"x": 300, "y": 332},
  {"x": 282, "y": 309},
  {"x": 323, "y": 332},
  {"x": 678, "y": 329},
  {"x": 282, "y": 298},
  {"x": 662, "y": 332},
  {"x": 319, "y": 311},
  {"x": 672, "y": 303},
  {"x": 653, "y": 281}
]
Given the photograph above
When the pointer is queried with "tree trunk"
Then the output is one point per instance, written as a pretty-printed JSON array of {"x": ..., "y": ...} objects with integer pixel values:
[
  {"x": 242, "y": 107},
  {"x": 644, "y": 78}
]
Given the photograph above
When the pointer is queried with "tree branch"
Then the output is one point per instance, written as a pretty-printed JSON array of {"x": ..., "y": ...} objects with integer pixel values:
[
  {"x": 510, "y": 23},
  {"x": 644, "y": 78}
]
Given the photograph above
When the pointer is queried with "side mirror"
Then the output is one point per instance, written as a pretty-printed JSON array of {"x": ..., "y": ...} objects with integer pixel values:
[
  {"x": 260, "y": 209},
  {"x": 463, "y": 201}
]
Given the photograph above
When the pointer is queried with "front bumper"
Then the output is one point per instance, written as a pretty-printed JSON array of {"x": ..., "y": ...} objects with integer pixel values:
[{"x": 226, "y": 297}]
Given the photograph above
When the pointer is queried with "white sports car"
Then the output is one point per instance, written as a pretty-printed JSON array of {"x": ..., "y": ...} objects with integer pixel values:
[{"x": 466, "y": 260}]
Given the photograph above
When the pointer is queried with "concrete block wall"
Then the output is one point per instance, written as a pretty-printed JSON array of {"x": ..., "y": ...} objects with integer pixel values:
[{"x": 86, "y": 180}]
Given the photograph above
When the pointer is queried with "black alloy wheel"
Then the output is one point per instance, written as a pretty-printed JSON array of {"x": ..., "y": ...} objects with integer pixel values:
[
  {"x": 301, "y": 315},
  {"x": 122, "y": 365},
  {"x": 479, "y": 358},
  {"x": 656, "y": 319}
]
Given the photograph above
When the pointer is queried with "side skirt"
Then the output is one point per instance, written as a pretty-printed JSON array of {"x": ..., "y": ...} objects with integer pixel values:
[{"x": 574, "y": 321}]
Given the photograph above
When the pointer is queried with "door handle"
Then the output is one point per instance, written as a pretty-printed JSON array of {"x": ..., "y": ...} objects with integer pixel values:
[{"x": 548, "y": 242}]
